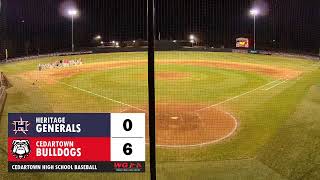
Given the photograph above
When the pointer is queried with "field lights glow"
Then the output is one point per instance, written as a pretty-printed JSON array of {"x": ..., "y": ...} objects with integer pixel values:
[
  {"x": 254, "y": 12},
  {"x": 192, "y": 37},
  {"x": 72, "y": 12},
  {"x": 98, "y": 37}
]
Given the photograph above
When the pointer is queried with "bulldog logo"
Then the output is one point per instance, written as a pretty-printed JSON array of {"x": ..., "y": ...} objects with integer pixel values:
[{"x": 20, "y": 148}]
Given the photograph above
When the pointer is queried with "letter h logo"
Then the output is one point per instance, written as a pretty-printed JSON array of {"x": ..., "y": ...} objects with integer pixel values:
[{"x": 21, "y": 126}]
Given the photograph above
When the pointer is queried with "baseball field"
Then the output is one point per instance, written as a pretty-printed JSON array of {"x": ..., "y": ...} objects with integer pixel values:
[{"x": 219, "y": 115}]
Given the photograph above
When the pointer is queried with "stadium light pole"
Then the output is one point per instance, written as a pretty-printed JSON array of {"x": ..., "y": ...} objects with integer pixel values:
[
  {"x": 254, "y": 13},
  {"x": 72, "y": 13}
]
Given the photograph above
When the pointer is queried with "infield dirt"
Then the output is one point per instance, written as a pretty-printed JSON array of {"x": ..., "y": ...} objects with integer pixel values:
[{"x": 179, "y": 125}]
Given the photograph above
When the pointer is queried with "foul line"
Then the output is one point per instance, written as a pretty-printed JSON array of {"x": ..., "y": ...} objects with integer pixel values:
[
  {"x": 281, "y": 82},
  {"x": 104, "y": 97},
  {"x": 235, "y": 97}
]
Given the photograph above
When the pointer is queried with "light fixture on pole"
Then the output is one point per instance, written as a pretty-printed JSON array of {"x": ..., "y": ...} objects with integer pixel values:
[
  {"x": 72, "y": 13},
  {"x": 254, "y": 13},
  {"x": 192, "y": 39},
  {"x": 98, "y": 37}
]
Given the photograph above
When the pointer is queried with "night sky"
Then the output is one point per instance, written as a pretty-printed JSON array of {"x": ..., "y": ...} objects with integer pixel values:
[{"x": 288, "y": 25}]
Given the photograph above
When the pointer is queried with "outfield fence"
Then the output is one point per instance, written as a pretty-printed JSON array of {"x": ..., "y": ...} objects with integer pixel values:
[
  {"x": 161, "y": 46},
  {"x": 46, "y": 55}
]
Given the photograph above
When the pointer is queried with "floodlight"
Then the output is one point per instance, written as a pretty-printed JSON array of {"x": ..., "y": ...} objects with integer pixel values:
[
  {"x": 72, "y": 12},
  {"x": 192, "y": 37},
  {"x": 254, "y": 12}
]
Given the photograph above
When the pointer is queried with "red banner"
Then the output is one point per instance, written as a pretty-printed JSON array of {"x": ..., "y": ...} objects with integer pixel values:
[{"x": 58, "y": 149}]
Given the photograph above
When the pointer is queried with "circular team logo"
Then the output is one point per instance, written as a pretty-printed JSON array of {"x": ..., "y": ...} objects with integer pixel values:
[{"x": 20, "y": 148}]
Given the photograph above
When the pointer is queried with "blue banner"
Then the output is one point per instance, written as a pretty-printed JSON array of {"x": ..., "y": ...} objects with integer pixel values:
[{"x": 59, "y": 125}]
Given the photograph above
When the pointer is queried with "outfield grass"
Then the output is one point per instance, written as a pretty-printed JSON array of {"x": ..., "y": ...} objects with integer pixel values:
[
  {"x": 279, "y": 131},
  {"x": 130, "y": 84}
]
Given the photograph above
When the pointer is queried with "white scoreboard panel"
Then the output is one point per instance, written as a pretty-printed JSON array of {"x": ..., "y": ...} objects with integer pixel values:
[{"x": 127, "y": 137}]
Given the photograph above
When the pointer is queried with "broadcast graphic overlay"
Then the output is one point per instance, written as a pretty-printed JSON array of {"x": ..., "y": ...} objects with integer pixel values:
[{"x": 96, "y": 142}]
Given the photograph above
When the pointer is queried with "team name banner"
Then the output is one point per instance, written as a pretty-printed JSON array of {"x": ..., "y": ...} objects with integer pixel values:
[{"x": 78, "y": 142}]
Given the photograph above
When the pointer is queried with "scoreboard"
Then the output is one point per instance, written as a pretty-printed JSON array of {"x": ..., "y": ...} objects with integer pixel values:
[
  {"x": 242, "y": 42},
  {"x": 76, "y": 142}
]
